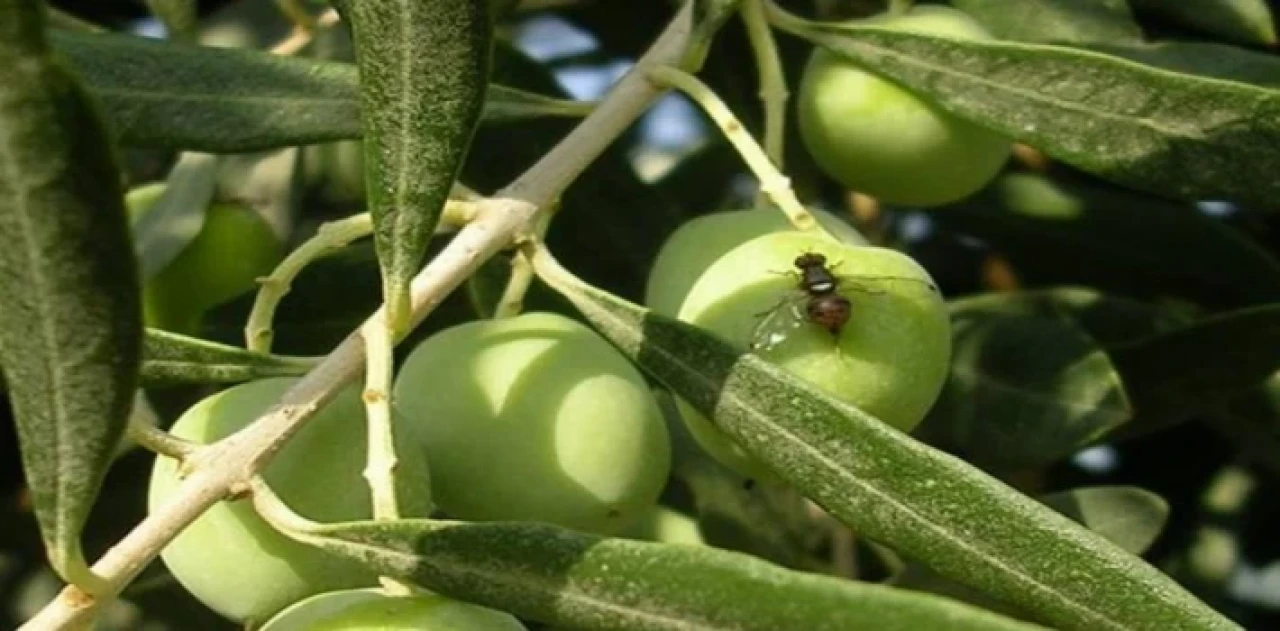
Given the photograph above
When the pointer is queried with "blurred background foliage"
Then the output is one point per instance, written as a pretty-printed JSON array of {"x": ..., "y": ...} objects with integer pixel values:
[{"x": 1045, "y": 259}]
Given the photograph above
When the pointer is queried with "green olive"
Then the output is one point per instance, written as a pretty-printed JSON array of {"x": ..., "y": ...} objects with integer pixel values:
[
  {"x": 890, "y": 358},
  {"x": 876, "y": 137},
  {"x": 234, "y": 248},
  {"x": 535, "y": 418},
  {"x": 374, "y": 610},
  {"x": 232, "y": 560},
  {"x": 697, "y": 243}
]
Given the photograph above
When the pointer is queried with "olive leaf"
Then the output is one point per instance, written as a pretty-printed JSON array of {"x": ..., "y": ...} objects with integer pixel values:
[
  {"x": 70, "y": 322},
  {"x": 1130, "y": 517},
  {"x": 582, "y": 581},
  {"x": 1003, "y": 408},
  {"x": 229, "y": 100},
  {"x": 424, "y": 69},
  {"x": 1061, "y": 21},
  {"x": 1176, "y": 135},
  {"x": 1196, "y": 368},
  {"x": 170, "y": 358},
  {"x": 1202, "y": 58},
  {"x": 962, "y": 523},
  {"x": 1244, "y": 21},
  {"x": 1066, "y": 228}
]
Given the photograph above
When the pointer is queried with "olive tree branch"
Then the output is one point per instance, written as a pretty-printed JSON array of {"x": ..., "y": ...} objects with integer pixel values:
[
  {"x": 226, "y": 467},
  {"x": 773, "y": 82}
]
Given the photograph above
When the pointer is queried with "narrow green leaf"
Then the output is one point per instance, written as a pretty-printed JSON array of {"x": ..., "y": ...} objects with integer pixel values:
[
  {"x": 424, "y": 68},
  {"x": 1060, "y": 21},
  {"x": 70, "y": 321},
  {"x": 1201, "y": 366},
  {"x": 1175, "y": 135},
  {"x": 566, "y": 578},
  {"x": 228, "y": 100},
  {"x": 1065, "y": 228},
  {"x": 1005, "y": 408},
  {"x": 1129, "y": 516},
  {"x": 178, "y": 16},
  {"x": 171, "y": 359},
  {"x": 962, "y": 523},
  {"x": 1243, "y": 21},
  {"x": 1231, "y": 63}
]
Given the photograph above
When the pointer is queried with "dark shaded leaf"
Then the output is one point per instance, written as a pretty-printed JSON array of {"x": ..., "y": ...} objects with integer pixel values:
[
  {"x": 1198, "y": 367},
  {"x": 172, "y": 359},
  {"x": 1176, "y": 135},
  {"x": 1006, "y": 408},
  {"x": 567, "y": 578},
  {"x": 935, "y": 508},
  {"x": 424, "y": 69},
  {"x": 1060, "y": 21},
  {"x": 1066, "y": 228},
  {"x": 1244, "y": 21},
  {"x": 1200, "y": 58},
  {"x": 70, "y": 322},
  {"x": 227, "y": 100}
]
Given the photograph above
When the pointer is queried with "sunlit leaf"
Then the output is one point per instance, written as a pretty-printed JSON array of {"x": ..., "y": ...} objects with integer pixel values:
[
  {"x": 424, "y": 68},
  {"x": 582, "y": 581},
  {"x": 891, "y": 488}
]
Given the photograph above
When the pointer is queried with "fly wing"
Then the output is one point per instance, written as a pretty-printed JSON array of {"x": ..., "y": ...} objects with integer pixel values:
[{"x": 780, "y": 321}]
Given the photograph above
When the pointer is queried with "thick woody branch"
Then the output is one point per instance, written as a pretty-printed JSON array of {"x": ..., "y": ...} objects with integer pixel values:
[{"x": 226, "y": 467}]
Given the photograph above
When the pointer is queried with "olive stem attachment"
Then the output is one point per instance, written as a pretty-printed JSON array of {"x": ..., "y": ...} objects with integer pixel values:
[
  {"x": 297, "y": 14},
  {"x": 332, "y": 236},
  {"x": 773, "y": 184},
  {"x": 512, "y": 301},
  {"x": 773, "y": 82},
  {"x": 144, "y": 431},
  {"x": 380, "y": 463}
]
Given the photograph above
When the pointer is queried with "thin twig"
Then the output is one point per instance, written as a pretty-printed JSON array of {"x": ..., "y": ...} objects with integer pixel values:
[
  {"x": 773, "y": 81},
  {"x": 773, "y": 183},
  {"x": 232, "y": 462}
]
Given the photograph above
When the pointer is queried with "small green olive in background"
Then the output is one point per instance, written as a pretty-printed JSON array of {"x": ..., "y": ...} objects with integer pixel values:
[
  {"x": 234, "y": 248},
  {"x": 877, "y": 138},
  {"x": 372, "y": 609}
]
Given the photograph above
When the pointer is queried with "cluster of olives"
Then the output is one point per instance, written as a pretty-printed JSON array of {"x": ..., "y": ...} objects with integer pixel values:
[{"x": 535, "y": 417}]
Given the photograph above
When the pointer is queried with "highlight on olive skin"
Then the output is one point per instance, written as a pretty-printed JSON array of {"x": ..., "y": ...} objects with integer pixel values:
[
  {"x": 544, "y": 421},
  {"x": 880, "y": 139}
]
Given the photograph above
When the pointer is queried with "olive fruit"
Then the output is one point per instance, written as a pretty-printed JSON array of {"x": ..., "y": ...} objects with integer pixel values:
[
  {"x": 697, "y": 243},
  {"x": 876, "y": 137},
  {"x": 233, "y": 249},
  {"x": 232, "y": 560},
  {"x": 666, "y": 525},
  {"x": 535, "y": 418},
  {"x": 372, "y": 609},
  {"x": 890, "y": 358}
]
